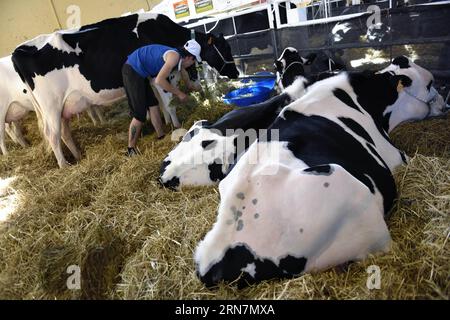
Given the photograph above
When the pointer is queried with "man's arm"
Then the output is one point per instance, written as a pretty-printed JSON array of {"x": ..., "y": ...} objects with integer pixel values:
[{"x": 172, "y": 59}]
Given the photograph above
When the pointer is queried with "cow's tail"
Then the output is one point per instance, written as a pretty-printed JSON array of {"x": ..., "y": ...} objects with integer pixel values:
[{"x": 18, "y": 59}]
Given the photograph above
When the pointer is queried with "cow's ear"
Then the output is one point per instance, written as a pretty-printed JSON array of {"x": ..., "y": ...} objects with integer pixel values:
[
  {"x": 402, "y": 62},
  {"x": 401, "y": 81}
]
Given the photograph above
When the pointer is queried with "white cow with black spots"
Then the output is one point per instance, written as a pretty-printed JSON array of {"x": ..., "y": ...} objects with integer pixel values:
[{"x": 316, "y": 193}]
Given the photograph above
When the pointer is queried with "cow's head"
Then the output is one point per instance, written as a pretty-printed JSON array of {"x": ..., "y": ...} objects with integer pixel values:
[
  {"x": 417, "y": 98},
  {"x": 291, "y": 55},
  {"x": 289, "y": 66},
  {"x": 217, "y": 53},
  {"x": 201, "y": 158}
]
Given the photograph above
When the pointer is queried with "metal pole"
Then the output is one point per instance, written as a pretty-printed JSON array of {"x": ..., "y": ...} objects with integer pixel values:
[
  {"x": 277, "y": 14},
  {"x": 272, "y": 30},
  {"x": 55, "y": 14},
  {"x": 148, "y": 4}
]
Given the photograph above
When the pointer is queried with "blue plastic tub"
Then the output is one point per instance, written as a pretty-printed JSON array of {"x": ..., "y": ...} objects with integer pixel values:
[
  {"x": 258, "y": 92},
  {"x": 264, "y": 79},
  {"x": 248, "y": 95}
]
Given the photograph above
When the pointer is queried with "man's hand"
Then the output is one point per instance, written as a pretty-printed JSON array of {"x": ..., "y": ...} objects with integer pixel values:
[
  {"x": 182, "y": 97},
  {"x": 194, "y": 86}
]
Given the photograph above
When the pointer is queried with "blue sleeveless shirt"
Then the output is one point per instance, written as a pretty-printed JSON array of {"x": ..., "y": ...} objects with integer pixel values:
[{"x": 148, "y": 61}]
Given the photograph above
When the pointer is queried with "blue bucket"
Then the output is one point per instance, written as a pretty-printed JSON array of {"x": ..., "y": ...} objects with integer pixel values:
[
  {"x": 248, "y": 95},
  {"x": 263, "y": 79}
]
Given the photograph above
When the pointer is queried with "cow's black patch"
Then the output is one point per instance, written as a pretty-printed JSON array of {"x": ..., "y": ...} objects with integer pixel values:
[
  {"x": 215, "y": 171},
  {"x": 365, "y": 179},
  {"x": 292, "y": 265},
  {"x": 173, "y": 183},
  {"x": 188, "y": 136},
  {"x": 320, "y": 170},
  {"x": 209, "y": 144},
  {"x": 402, "y": 62},
  {"x": 291, "y": 75},
  {"x": 372, "y": 148},
  {"x": 240, "y": 225},
  {"x": 402, "y": 154},
  {"x": 257, "y": 116},
  {"x": 357, "y": 128},
  {"x": 317, "y": 140},
  {"x": 229, "y": 268},
  {"x": 240, "y": 195},
  {"x": 163, "y": 167},
  {"x": 105, "y": 46},
  {"x": 345, "y": 98},
  {"x": 234, "y": 211}
]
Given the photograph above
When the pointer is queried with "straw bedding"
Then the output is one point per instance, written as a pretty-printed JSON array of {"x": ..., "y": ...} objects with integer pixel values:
[{"x": 134, "y": 240}]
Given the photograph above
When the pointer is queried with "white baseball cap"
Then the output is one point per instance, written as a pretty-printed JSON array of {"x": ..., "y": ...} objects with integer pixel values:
[{"x": 193, "y": 47}]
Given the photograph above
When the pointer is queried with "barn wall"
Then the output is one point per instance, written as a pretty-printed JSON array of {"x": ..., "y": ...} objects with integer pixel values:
[{"x": 21, "y": 20}]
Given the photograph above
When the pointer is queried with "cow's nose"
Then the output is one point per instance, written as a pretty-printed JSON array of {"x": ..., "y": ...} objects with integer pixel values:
[{"x": 171, "y": 184}]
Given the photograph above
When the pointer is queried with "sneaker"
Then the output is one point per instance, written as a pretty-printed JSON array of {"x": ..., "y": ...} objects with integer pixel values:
[{"x": 132, "y": 152}]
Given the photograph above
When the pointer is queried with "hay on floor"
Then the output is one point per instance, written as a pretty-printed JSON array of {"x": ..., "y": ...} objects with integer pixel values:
[{"x": 134, "y": 240}]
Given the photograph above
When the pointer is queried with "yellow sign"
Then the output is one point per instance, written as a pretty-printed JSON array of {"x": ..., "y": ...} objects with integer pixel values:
[
  {"x": 203, "y": 5},
  {"x": 181, "y": 9}
]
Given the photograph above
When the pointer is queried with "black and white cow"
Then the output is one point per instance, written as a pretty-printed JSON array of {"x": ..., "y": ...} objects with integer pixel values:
[
  {"x": 316, "y": 193},
  {"x": 319, "y": 66},
  {"x": 16, "y": 103},
  {"x": 85, "y": 64},
  {"x": 208, "y": 151},
  {"x": 289, "y": 66}
]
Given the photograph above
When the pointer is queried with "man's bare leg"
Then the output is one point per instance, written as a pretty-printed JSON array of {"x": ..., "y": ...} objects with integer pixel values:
[
  {"x": 156, "y": 121},
  {"x": 134, "y": 132}
]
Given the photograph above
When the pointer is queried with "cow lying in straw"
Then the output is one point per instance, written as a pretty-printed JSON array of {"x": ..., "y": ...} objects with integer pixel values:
[{"x": 316, "y": 192}]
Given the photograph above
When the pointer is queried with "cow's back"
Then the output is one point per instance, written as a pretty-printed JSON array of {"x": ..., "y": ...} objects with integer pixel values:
[{"x": 99, "y": 50}]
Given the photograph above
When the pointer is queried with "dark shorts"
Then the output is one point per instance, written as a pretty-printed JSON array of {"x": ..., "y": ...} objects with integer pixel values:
[{"x": 139, "y": 93}]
